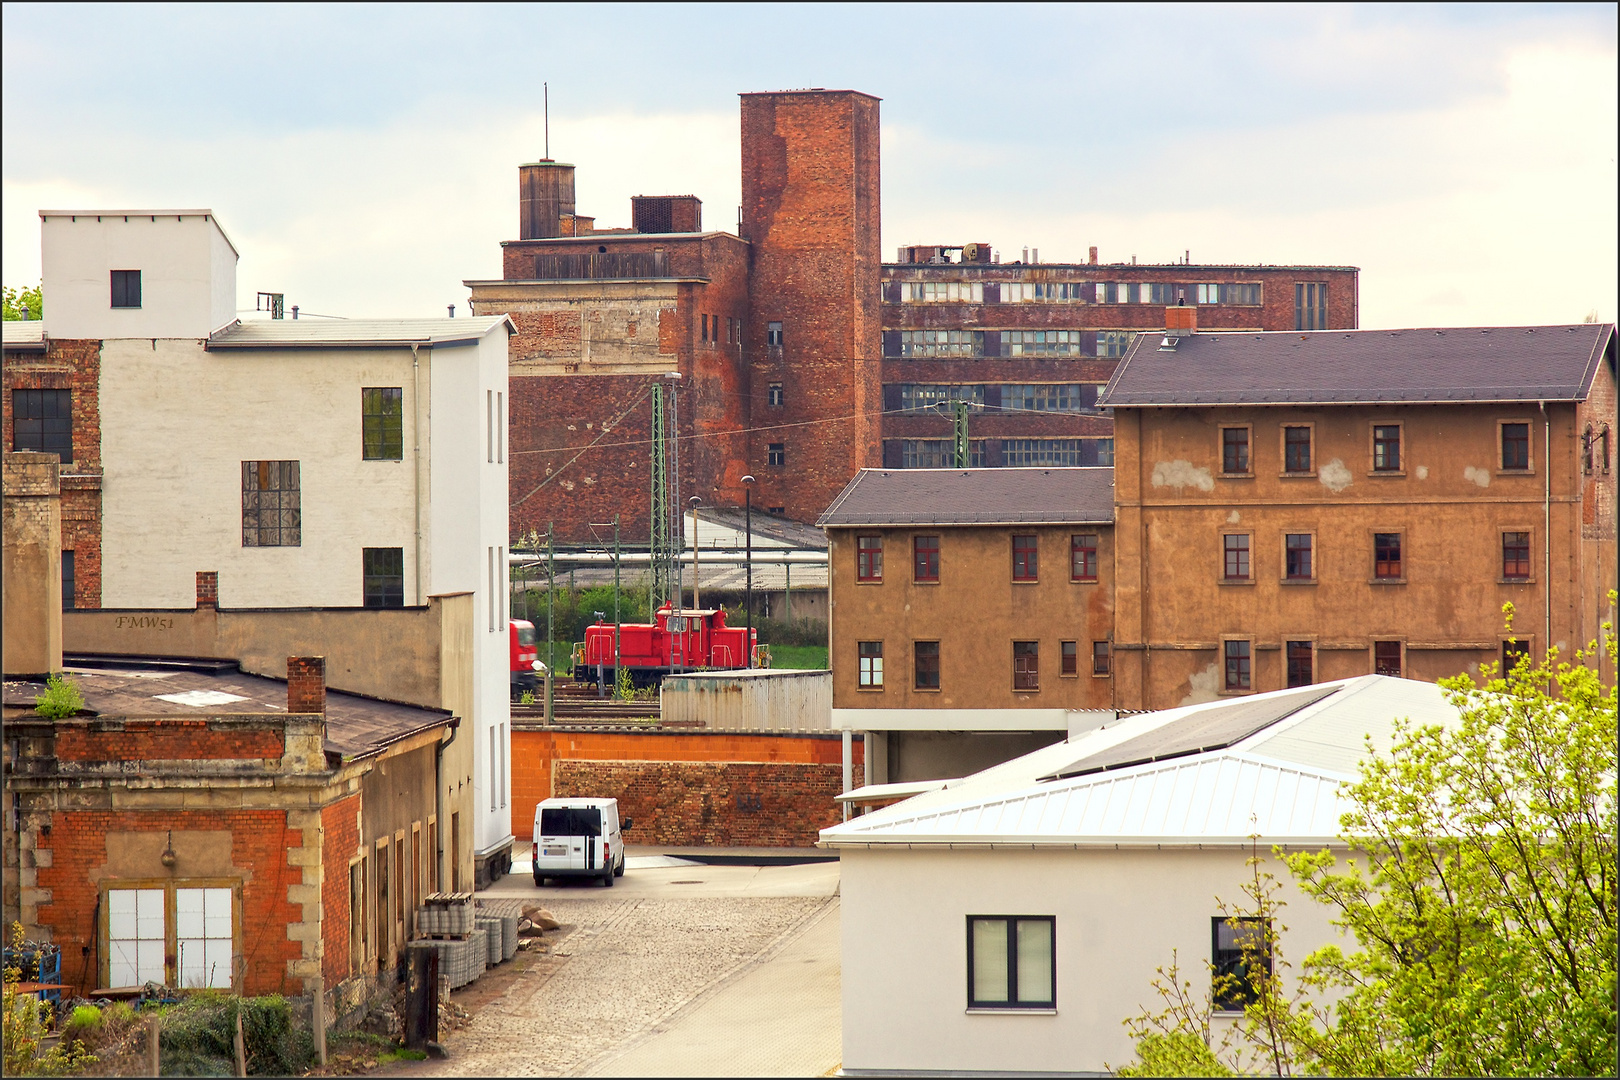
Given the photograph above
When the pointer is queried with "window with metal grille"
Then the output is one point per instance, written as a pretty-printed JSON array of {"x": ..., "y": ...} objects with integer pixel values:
[
  {"x": 1516, "y": 555},
  {"x": 1234, "y": 449},
  {"x": 1310, "y": 305},
  {"x": 1515, "y": 446},
  {"x": 270, "y": 504},
  {"x": 871, "y": 665},
  {"x": 1011, "y": 962},
  {"x": 869, "y": 558},
  {"x": 42, "y": 422},
  {"x": 1101, "y": 655},
  {"x": 964, "y": 343},
  {"x": 776, "y": 454},
  {"x": 1299, "y": 663},
  {"x": 1083, "y": 557},
  {"x": 1240, "y": 960},
  {"x": 384, "y": 577},
  {"x": 1070, "y": 655},
  {"x": 1237, "y": 665},
  {"x": 1041, "y": 343},
  {"x": 382, "y": 423},
  {"x": 1025, "y": 553},
  {"x": 925, "y": 662},
  {"x": 925, "y": 558},
  {"x": 1026, "y": 665},
  {"x": 1048, "y": 397},
  {"x": 1386, "y": 448},
  {"x": 1296, "y": 449},
  {"x": 1387, "y": 658},
  {"x": 126, "y": 288},
  {"x": 67, "y": 581},
  {"x": 1056, "y": 453},
  {"x": 1237, "y": 556},
  {"x": 1386, "y": 555},
  {"x": 1297, "y": 553}
]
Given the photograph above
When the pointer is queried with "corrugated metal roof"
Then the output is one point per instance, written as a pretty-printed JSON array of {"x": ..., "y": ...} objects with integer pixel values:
[
  {"x": 1282, "y": 783},
  {"x": 974, "y": 497},
  {"x": 24, "y": 334},
  {"x": 355, "y": 333},
  {"x": 1343, "y": 367}
]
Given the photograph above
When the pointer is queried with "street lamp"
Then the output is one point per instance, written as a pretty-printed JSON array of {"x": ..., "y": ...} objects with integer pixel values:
[{"x": 748, "y": 561}]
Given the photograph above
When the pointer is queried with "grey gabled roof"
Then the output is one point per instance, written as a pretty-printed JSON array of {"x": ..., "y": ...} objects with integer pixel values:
[
  {"x": 1348, "y": 367},
  {"x": 974, "y": 497},
  {"x": 355, "y": 333},
  {"x": 25, "y": 335}
]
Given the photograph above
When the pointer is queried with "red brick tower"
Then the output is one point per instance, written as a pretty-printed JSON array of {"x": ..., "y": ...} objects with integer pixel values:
[{"x": 810, "y": 212}]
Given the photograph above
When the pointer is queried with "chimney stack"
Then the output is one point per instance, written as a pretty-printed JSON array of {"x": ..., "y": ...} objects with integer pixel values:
[
  {"x": 306, "y": 684},
  {"x": 1094, "y": 255},
  {"x": 207, "y": 589},
  {"x": 1180, "y": 321}
]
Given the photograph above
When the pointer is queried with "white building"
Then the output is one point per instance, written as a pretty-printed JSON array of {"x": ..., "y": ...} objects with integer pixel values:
[
  {"x": 1008, "y": 922},
  {"x": 309, "y": 463}
]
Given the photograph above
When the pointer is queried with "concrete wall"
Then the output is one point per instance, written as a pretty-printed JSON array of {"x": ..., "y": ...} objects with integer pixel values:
[
  {"x": 31, "y": 519},
  {"x": 905, "y": 961},
  {"x": 749, "y": 701},
  {"x": 188, "y": 274}
]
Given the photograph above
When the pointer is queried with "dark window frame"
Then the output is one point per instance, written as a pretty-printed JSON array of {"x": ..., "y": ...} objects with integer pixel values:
[
  {"x": 68, "y": 599},
  {"x": 1026, "y": 665},
  {"x": 1227, "y": 964},
  {"x": 1388, "y": 557},
  {"x": 1515, "y": 451},
  {"x": 1299, "y": 560},
  {"x": 1237, "y": 561},
  {"x": 126, "y": 288},
  {"x": 1011, "y": 1001},
  {"x": 1026, "y": 552},
  {"x": 925, "y": 559},
  {"x": 1237, "y": 450},
  {"x": 1386, "y": 448},
  {"x": 42, "y": 421},
  {"x": 1299, "y": 456},
  {"x": 925, "y": 665},
  {"x": 272, "y": 488},
  {"x": 1516, "y": 547},
  {"x": 1299, "y": 658},
  {"x": 1239, "y": 664},
  {"x": 1083, "y": 549},
  {"x": 382, "y": 577},
  {"x": 382, "y": 432},
  {"x": 1069, "y": 659},
  {"x": 776, "y": 454},
  {"x": 868, "y": 677},
  {"x": 1514, "y": 652},
  {"x": 1388, "y": 659},
  {"x": 1102, "y": 658},
  {"x": 774, "y": 395},
  {"x": 868, "y": 559},
  {"x": 773, "y": 334}
]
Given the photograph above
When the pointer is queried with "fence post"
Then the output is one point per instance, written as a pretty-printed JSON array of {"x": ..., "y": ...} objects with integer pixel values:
[
  {"x": 318, "y": 1019},
  {"x": 152, "y": 1046},
  {"x": 241, "y": 1050}
]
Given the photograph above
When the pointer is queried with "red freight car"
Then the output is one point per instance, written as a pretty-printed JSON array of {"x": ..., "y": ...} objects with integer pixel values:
[{"x": 674, "y": 641}]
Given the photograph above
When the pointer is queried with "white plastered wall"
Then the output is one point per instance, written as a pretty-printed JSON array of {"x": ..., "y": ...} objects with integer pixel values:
[{"x": 1119, "y": 915}]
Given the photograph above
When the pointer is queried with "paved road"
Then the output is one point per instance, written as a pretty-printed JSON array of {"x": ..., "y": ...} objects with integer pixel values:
[{"x": 681, "y": 969}]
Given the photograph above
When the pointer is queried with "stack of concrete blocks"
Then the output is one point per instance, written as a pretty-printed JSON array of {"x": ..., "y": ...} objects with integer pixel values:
[{"x": 446, "y": 922}]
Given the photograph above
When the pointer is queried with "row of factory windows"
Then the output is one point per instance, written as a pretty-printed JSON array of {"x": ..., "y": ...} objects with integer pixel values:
[
  {"x": 974, "y": 344},
  {"x": 1026, "y": 663},
  {"x": 1386, "y": 449},
  {"x": 1025, "y": 550},
  {"x": 998, "y": 453},
  {"x": 1086, "y": 292},
  {"x": 1004, "y": 397},
  {"x": 1387, "y": 564}
]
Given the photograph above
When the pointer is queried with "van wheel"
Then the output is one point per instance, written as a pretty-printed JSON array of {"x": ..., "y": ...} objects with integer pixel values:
[
  {"x": 607, "y": 879},
  {"x": 539, "y": 881},
  {"x": 618, "y": 871}
]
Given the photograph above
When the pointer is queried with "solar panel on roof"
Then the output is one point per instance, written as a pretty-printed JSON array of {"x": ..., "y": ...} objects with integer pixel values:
[{"x": 1209, "y": 729}]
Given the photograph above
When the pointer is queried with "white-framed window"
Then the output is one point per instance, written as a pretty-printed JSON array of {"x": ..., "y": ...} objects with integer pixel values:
[{"x": 147, "y": 923}]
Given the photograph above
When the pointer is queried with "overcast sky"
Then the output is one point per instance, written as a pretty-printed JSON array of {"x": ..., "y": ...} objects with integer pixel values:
[{"x": 363, "y": 159}]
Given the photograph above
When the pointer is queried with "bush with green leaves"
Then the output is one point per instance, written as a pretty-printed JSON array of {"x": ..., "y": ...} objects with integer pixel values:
[
  {"x": 197, "y": 1036},
  {"x": 61, "y": 698}
]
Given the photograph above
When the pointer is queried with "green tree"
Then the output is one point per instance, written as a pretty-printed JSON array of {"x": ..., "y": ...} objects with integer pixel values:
[
  {"x": 1481, "y": 896},
  {"x": 24, "y": 304}
]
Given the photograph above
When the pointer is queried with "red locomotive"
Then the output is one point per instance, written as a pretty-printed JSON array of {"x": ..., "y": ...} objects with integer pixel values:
[
  {"x": 674, "y": 641},
  {"x": 525, "y": 658}
]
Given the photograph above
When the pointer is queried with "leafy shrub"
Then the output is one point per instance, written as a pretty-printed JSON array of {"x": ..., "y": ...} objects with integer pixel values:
[
  {"x": 198, "y": 1036},
  {"x": 61, "y": 698}
]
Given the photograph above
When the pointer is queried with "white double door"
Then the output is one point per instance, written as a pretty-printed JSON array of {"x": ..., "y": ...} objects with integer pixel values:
[{"x": 141, "y": 925}]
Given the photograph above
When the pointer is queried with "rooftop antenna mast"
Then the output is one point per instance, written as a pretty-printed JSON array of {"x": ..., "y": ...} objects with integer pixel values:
[{"x": 545, "y": 89}]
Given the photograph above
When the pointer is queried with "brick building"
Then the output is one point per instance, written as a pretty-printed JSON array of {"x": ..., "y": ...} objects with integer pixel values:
[
  {"x": 773, "y": 331},
  {"x": 1030, "y": 344}
]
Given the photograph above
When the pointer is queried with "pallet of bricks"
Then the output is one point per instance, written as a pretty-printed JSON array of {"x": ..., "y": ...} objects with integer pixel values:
[{"x": 467, "y": 942}]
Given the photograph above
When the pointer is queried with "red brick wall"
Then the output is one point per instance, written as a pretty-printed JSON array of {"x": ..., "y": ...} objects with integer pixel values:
[
  {"x": 70, "y": 365},
  {"x": 340, "y": 841},
  {"x": 260, "y": 845},
  {"x": 168, "y": 740},
  {"x": 687, "y": 803},
  {"x": 540, "y": 758}
]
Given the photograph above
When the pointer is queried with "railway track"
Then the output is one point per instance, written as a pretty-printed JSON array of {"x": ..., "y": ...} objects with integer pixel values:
[{"x": 592, "y": 708}]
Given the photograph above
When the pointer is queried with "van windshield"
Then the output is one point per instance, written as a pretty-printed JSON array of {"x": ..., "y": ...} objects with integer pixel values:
[{"x": 571, "y": 821}]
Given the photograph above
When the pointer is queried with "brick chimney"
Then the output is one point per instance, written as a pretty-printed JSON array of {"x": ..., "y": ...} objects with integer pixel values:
[
  {"x": 1094, "y": 255},
  {"x": 306, "y": 684},
  {"x": 1180, "y": 321},
  {"x": 208, "y": 588}
]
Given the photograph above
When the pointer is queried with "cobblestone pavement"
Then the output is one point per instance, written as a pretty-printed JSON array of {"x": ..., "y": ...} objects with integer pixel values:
[{"x": 627, "y": 966}]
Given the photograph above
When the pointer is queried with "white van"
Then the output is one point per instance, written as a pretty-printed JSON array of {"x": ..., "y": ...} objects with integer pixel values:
[{"x": 578, "y": 838}]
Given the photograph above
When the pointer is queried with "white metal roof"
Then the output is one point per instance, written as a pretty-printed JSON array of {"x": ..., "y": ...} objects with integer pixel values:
[
  {"x": 355, "y": 333},
  {"x": 24, "y": 333},
  {"x": 1282, "y": 783}
]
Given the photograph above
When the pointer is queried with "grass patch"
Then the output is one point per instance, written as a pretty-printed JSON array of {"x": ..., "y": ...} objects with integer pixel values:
[
  {"x": 402, "y": 1054},
  {"x": 799, "y": 657}
]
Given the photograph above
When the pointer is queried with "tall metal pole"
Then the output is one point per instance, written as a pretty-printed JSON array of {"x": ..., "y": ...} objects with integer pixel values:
[
  {"x": 696, "y": 601},
  {"x": 748, "y": 591},
  {"x": 615, "y": 604},
  {"x": 679, "y": 522},
  {"x": 960, "y": 433},
  {"x": 660, "y": 542},
  {"x": 551, "y": 609}
]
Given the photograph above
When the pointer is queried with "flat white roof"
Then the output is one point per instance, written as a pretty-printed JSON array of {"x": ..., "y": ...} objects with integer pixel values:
[
  {"x": 355, "y": 333},
  {"x": 153, "y": 214}
]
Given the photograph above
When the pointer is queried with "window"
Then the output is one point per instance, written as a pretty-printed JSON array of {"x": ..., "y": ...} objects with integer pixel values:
[
  {"x": 1071, "y": 659},
  {"x": 942, "y": 343},
  {"x": 171, "y": 933},
  {"x": 1241, "y": 293},
  {"x": 1296, "y": 449},
  {"x": 42, "y": 422},
  {"x": 1025, "y": 553},
  {"x": 938, "y": 453},
  {"x": 357, "y": 917},
  {"x": 1041, "y": 342},
  {"x": 1026, "y": 665},
  {"x": 67, "y": 581},
  {"x": 1237, "y": 556},
  {"x": 1083, "y": 557},
  {"x": 383, "y": 910},
  {"x": 773, "y": 394},
  {"x": 925, "y": 659},
  {"x": 384, "y": 577},
  {"x": 1387, "y": 658},
  {"x": 1387, "y": 555},
  {"x": 1100, "y": 654},
  {"x": 1297, "y": 556},
  {"x": 1514, "y": 653},
  {"x": 270, "y": 515},
  {"x": 1515, "y": 446},
  {"x": 776, "y": 454},
  {"x": 1113, "y": 343},
  {"x": 704, "y": 331},
  {"x": 1010, "y": 962},
  {"x": 1235, "y": 450},
  {"x": 1056, "y": 453},
  {"x": 1386, "y": 447},
  {"x": 1061, "y": 290},
  {"x": 1237, "y": 665},
  {"x": 869, "y": 558},
  {"x": 871, "y": 664},
  {"x": 382, "y": 423},
  {"x": 915, "y": 397},
  {"x": 1131, "y": 292},
  {"x": 1299, "y": 663},
  {"x": 1516, "y": 555},
  {"x": 1239, "y": 947},
  {"x": 925, "y": 558},
  {"x": 934, "y": 292},
  {"x": 126, "y": 288},
  {"x": 773, "y": 335},
  {"x": 1049, "y": 397},
  {"x": 1310, "y": 305}
]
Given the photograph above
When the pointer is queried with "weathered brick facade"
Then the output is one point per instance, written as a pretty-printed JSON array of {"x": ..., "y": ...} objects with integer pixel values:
[{"x": 340, "y": 842}]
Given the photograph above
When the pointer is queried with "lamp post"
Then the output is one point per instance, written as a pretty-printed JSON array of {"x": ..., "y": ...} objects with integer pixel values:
[{"x": 748, "y": 562}]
